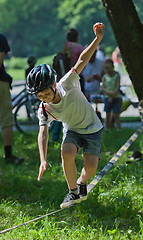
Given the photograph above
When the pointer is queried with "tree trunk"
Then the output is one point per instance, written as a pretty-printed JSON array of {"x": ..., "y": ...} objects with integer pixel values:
[{"x": 128, "y": 32}]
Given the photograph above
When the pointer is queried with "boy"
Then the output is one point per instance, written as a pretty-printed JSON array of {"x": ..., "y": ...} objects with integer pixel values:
[
  {"x": 111, "y": 89},
  {"x": 65, "y": 102}
]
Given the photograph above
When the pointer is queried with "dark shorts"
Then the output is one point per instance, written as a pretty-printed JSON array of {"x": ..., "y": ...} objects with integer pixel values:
[
  {"x": 91, "y": 143},
  {"x": 6, "y": 115},
  {"x": 115, "y": 106}
]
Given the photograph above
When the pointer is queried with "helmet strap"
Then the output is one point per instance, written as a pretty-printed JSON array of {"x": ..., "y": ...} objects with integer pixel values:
[{"x": 54, "y": 91}]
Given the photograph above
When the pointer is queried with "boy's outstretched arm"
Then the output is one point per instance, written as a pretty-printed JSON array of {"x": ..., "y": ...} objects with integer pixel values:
[
  {"x": 42, "y": 144},
  {"x": 88, "y": 52}
]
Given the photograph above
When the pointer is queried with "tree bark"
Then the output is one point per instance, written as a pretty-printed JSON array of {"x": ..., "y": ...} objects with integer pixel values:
[{"x": 128, "y": 31}]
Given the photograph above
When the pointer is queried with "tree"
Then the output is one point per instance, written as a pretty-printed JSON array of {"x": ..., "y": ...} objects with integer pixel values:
[
  {"x": 31, "y": 26},
  {"x": 128, "y": 31}
]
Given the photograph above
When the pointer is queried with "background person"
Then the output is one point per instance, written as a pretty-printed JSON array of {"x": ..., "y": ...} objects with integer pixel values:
[
  {"x": 74, "y": 49},
  {"x": 111, "y": 89},
  {"x": 6, "y": 116},
  {"x": 100, "y": 54},
  {"x": 31, "y": 60},
  {"x": 117, "y": 60},
  {"x": 92, "y": 75}
]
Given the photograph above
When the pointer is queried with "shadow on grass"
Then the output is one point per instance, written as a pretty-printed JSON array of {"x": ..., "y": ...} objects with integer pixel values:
[{"x": 110, "y": 204}]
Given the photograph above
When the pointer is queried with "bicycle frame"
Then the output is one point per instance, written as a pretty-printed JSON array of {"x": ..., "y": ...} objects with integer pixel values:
[
  {"x": 25, "y": 108},
  {"x": 19, "y": 98}
]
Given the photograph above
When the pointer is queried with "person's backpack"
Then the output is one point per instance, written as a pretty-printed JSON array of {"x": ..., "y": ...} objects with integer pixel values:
[{"x": 61, "y": 64}]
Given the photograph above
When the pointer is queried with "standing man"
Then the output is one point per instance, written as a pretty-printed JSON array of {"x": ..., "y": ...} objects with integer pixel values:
[{"x": 6, "y": 116}]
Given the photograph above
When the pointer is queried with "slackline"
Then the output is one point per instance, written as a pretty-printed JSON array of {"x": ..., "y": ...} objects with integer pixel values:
[
  {"x": 114, "y": 159},
  {"x": 94, "y": 181}
]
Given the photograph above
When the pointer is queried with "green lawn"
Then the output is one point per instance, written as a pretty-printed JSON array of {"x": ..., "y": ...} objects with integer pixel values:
[
  {"x": 16, "y": 66},
  {"x": 113, "y": 210},
  {"x": 17, "y": 74}
]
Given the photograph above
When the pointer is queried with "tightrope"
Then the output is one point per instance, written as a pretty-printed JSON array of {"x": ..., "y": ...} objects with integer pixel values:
[
  {"x": 114, "y": 159},
  {"x": 94, "y": 181},
  {"x": 22, "y": 224}
]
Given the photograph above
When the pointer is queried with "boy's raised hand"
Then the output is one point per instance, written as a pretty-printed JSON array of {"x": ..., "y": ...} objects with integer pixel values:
[
  {"x": 88, "y": 52},
  {"x": 98, "y": 29}
]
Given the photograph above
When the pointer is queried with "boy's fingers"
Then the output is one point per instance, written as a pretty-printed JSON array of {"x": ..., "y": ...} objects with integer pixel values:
[
  {"x": 40, "y": 175},
  {"x": 41, "y": 172},
  {"x": 99, "y": 25}
]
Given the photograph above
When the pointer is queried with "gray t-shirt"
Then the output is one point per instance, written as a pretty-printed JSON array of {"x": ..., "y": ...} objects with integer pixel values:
[{"x": 73, "y": 110}]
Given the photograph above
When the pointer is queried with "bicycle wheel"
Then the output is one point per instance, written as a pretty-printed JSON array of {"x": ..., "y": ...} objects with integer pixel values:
[{"x": 26, "y": 116}]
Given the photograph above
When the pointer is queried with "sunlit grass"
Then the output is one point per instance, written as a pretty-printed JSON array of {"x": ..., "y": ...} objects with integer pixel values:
[
  {"x": 17, "y": 74},
  {"x": 16, "y": 66},
  {"x": 113, "y": 210}
]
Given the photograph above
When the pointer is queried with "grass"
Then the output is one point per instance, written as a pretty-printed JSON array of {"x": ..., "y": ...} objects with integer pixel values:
[
  {"x": 130, "y": 119},
  {"x": 113, "y": 210},
  {"x": 16, "y": 66},
  {"x": 17, "y": 74}
]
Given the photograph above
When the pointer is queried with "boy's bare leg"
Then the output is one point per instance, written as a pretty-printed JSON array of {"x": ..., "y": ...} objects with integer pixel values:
[
  {"x": 90, "y": 167},
  {"x": 69, "y": 152}
]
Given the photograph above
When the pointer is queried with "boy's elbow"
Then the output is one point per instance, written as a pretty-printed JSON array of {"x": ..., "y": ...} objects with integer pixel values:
[{"x": 79, "y": 66}]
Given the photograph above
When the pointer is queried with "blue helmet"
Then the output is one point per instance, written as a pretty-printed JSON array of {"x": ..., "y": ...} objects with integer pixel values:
[{"x": 40, "y": 77}]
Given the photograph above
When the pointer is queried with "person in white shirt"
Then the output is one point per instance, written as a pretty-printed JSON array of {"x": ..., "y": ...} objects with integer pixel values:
[
  {"x": 92, "y": 75},
  {"x": 65, "y": 102}
]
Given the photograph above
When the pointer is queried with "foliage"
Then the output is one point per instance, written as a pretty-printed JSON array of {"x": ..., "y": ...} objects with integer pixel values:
[
  {"x": 29, "y": 25},
  {"x": 75, "y": 13},
  {"x": 113, "y": 210},
  {"x": 40, "y": 27}
]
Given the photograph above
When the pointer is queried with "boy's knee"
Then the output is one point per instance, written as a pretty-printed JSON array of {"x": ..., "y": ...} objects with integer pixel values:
[
  {"x": 68, "y": 151},
  {"x": 66, "y": 154}
]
